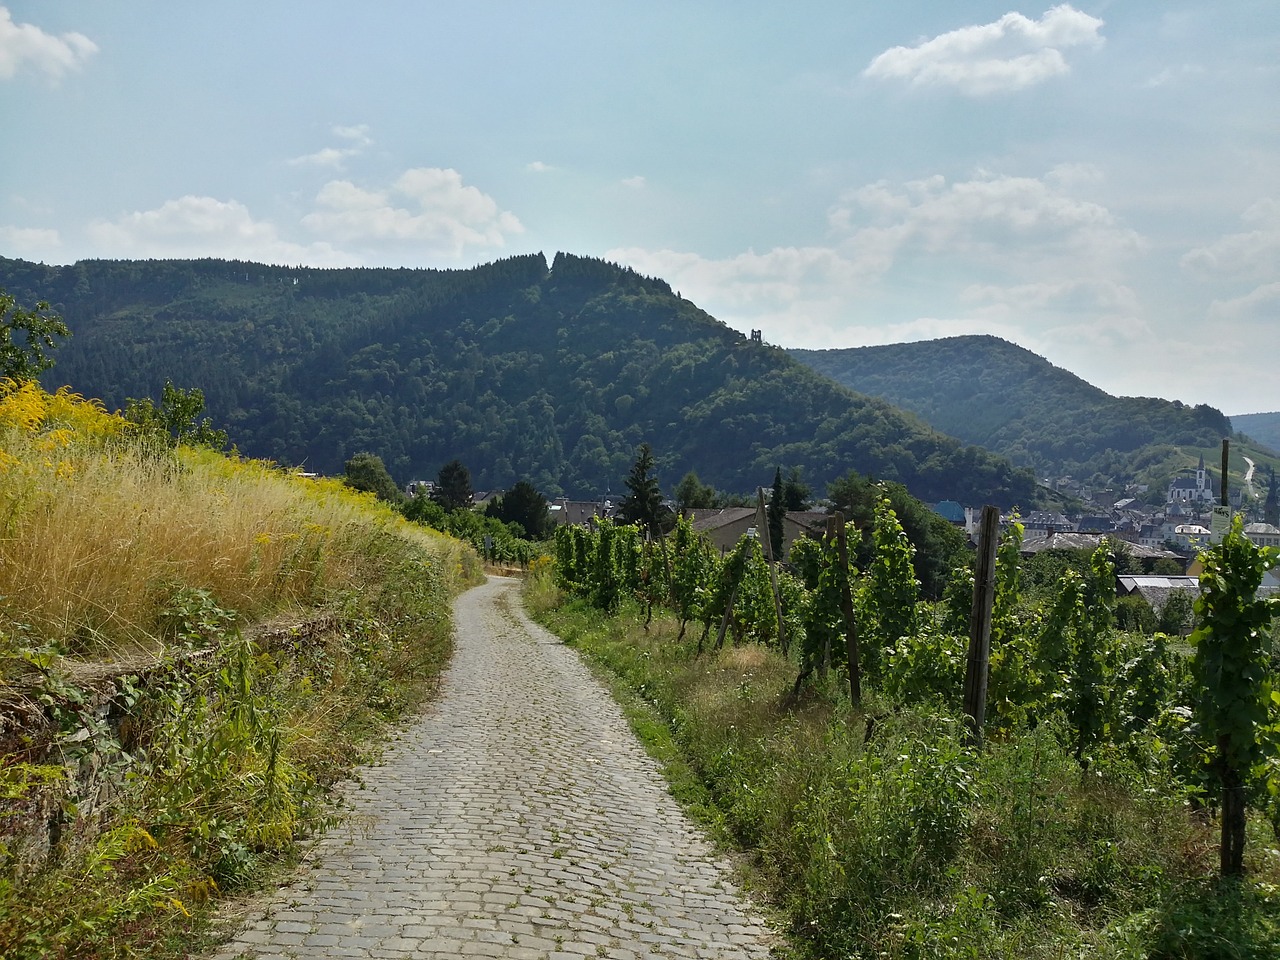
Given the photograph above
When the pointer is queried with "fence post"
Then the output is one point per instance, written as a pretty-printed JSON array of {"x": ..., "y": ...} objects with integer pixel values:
[
  {"x": 984, "y": 592},
  {"x": 1226, "y": 456}
]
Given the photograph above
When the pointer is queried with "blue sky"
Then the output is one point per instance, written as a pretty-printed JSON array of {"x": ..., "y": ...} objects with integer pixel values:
[{"x": 1097, "y": 182}]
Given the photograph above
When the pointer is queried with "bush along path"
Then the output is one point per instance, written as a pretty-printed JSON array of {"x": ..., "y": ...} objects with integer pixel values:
[{"x": 517, "y": 818}]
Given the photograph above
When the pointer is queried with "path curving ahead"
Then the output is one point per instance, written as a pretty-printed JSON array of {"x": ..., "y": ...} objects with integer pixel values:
[{"x": 518, "y": 817}]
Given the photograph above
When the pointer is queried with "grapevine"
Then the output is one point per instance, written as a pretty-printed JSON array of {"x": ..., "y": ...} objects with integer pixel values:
[{"x": 1237, "y": 710}]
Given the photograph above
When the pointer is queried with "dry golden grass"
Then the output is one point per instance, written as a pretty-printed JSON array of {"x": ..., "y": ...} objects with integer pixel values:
[{"x": 97, "y": 531}]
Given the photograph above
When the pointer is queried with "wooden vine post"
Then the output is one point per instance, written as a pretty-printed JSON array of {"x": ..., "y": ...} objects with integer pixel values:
[
  {"x": 1226, "y": 456},
  {"x": 666, "y": 563},
  {"x": 984, "y": 593},
  {"x": 1232, "y": 840}
]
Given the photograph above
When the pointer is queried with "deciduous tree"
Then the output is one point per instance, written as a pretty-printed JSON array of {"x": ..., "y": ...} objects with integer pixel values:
[
  {"x": 692, "y": 494},
  {"x": 176, "y": 419},
  {"x": 27, "y": 337},
  {"x": 366, "y": 471}
]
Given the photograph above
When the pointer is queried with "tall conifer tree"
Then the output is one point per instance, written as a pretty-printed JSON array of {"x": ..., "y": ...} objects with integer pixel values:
[{"x": 643, "y": 504}]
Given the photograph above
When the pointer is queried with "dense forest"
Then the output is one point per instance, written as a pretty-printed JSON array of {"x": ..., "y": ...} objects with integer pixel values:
[
  {"x": 987, "y": 391},
  {"x": 554, "y": 376}
]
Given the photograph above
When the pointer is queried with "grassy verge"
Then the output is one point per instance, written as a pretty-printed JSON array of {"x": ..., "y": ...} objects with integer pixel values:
[
  {"x": 193, "y": 648},
  {"x": 878, "y": 833}
]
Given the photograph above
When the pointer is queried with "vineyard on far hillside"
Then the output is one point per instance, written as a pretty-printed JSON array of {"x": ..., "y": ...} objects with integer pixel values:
[{"x": 822, "y": 724}]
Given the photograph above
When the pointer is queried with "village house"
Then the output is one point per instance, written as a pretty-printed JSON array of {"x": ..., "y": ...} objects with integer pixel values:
[
  {"x": 1053, "y": 540},
  {"x": 565, "y": 512},
  {"x": 1156, "y": 590},
  {"x": 724, "y": 528},
  {"x": 1191, "y": 536},
  {"x": 1263, "y": 534}
]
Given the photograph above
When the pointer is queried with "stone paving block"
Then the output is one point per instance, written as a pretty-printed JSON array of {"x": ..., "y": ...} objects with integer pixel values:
[{"x": 517, "y": 817}]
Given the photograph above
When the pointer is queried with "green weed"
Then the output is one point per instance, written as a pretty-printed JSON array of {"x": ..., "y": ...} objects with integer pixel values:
[{"x": 880, "y": 833}]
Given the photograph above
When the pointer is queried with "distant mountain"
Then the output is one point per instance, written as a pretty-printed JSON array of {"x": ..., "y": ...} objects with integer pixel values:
[
  {"x": 522, "y": 372},
  {"x": 987, "y": 391},
  {"x": 1262, "y": 427}
]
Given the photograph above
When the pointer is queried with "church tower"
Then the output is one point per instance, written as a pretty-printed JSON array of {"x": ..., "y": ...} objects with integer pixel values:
[{"x": 1204, "y": 483}]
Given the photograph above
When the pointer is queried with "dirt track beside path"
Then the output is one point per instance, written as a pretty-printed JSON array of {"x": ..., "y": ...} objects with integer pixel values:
[{"x": 518, "y": 817}]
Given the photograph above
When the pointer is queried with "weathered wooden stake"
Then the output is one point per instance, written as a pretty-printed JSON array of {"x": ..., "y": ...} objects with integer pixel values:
[
  {"x": 666, "y": 562},
  {"x": 1231, "y": 845},
  {"x": 1226, "y": 451},
  {"x": 984, "y": 592},
  {"x": 728, "y": 612}
]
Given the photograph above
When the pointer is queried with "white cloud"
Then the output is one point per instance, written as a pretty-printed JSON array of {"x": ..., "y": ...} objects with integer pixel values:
[
  {"x": 1261, "y": 305},
  {"x": 1018, "y": 257},
  {"x": 1252, "y": 253},
  {"x": 799, "y": 296},
  {"x": 23, "y": 44},
  {"x": 324, "y": 157},
  {"x": 1171, "y": 75},
  {"x": 1068, "y": 176},
  {"x": 539, "y": 167},
  {"x": 427, "y": 207},
  {"x": 358, "y": 134},
  {"x": 997, "y": 219},
  {"x": 749, "y": 282},
  {"x": 31, "y": 243},
  {"x": 1010, "y": 54},
  {"x": 1076, "y": 296},
  {"x": 334, "y": 157},
  {"x": 634, "y": 183},
  {"x": 205, "y": 227}
]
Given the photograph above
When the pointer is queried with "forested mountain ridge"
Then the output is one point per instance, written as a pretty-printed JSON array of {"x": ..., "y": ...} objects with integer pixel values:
[
  {"x": 554, "y": 376},
  {"x": 987, "y": 391},
  {"x": 1262, "y": 427}
]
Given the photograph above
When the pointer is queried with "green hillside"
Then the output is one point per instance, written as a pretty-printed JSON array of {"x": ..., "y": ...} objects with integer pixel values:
[
  {"x": 1262, "y": 427},
  {"x": 555, "y": 376},
  {"x": 987, "y": 391}
]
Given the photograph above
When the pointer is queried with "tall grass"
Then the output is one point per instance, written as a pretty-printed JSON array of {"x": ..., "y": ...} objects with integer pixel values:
[
  {"x": 192, "y": 647},
  {"x": 99, "y": 531}
]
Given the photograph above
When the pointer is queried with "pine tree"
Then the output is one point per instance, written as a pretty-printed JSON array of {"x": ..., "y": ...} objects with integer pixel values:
[
  {"x": 795, "y": 492},
  {"x": 643, "y": 505},
  {"x": 453, "y": 488},
  {"x": 524, "y": 505}
]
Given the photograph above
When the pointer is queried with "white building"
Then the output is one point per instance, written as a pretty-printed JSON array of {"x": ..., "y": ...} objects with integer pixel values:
[
  {"x": 1192, "y": 536},
  {"x": 1195, "y": 487},
  {"x": 1263, "y": 534}
]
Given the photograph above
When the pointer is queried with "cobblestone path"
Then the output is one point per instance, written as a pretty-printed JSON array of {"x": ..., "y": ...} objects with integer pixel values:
[{"x": 518, "y": 818}]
